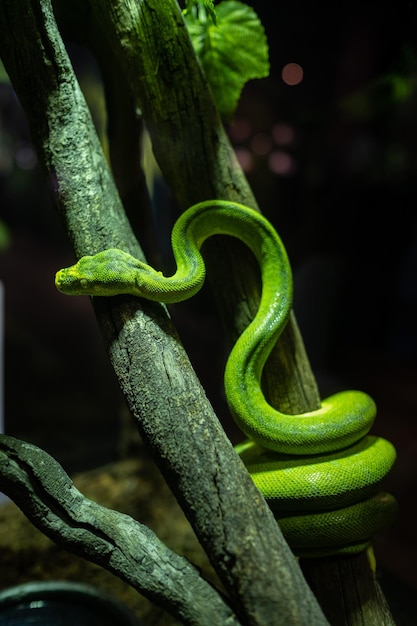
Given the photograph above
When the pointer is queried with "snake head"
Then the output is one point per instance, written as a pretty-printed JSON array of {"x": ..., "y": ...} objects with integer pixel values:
[{"x": 108, "y": 273}]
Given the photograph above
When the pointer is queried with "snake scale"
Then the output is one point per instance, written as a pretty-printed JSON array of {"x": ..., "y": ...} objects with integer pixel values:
[{"x": 319, "y": 471}]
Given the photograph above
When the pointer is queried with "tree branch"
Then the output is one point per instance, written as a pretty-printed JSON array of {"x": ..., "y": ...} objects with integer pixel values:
[
  {"x": 155, "y": 53},
  {"x": 130, "y": 550}
]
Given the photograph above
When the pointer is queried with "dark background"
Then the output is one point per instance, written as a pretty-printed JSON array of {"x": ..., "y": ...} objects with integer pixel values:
[{"x": 343, "y": 200}]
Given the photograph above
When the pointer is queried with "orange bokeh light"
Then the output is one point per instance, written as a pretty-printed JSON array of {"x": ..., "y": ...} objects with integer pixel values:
[{"x": 292, "y": 74}]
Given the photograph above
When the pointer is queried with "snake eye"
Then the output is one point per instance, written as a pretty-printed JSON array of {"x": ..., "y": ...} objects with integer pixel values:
[{"x": 83, "y": 282}]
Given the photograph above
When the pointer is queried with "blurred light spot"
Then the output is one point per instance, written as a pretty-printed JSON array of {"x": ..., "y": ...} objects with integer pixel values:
[
  {"x": 261, "y": 143},
  {"x": 245, "y": 159},
  {"x": 240, "y": 130},
  {"x": 281, "y": 163},
  {"x": 283, "y": 134},
  {"x": 25, "y": 157},
  {"x": 292, "y": 74}
]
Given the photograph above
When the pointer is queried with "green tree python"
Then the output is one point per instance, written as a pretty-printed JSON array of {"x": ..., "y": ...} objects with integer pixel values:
[{"x": 319, "y": 471}]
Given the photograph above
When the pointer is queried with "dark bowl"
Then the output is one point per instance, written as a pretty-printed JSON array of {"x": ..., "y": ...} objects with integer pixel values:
[{"x": 61, "y": 603}]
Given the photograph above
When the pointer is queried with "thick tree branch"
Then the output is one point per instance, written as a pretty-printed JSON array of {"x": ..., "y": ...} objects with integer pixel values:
[
  {"x": 130, "y": 550},
  {"x": 192, "y": 149},
  {"x": 230, "y": 518}
]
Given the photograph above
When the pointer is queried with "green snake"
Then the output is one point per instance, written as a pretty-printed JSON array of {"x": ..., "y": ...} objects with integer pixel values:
[{"x": 318, "y": 470}]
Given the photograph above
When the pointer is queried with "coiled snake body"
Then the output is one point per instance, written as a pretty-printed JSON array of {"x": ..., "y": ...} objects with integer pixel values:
[{"x": 319, "y": 470}]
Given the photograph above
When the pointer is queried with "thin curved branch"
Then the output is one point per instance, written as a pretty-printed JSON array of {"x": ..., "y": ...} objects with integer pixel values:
[{"x": 130, "y": 550}]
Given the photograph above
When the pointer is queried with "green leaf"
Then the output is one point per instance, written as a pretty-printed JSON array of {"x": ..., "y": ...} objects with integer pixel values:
[
  {"x": 232, "y": 51},
  {"x": 200, "y": 9}
]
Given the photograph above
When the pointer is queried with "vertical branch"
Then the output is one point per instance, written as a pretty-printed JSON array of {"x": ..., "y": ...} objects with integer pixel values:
[{"x": 193, "y": 151}]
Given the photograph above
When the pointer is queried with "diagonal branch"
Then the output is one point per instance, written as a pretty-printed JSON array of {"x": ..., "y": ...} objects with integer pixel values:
[{"x": 229, "y": 516}]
